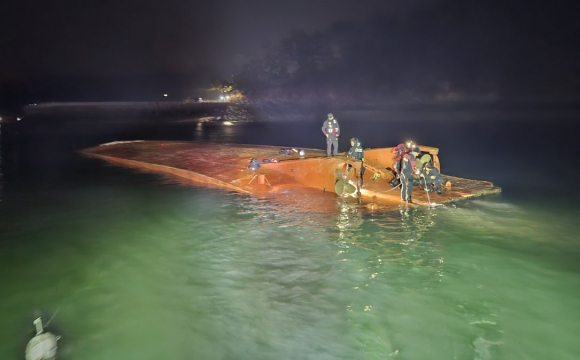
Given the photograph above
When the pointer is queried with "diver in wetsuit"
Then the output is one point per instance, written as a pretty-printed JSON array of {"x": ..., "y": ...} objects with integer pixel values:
[
  {"x": 431, "y": 177},
  {"x": 408, "y": 168},
  {"x": 403, "y": 148},
  {"x": 356, "y": 152},
  {"x": 400, "y": 150}
]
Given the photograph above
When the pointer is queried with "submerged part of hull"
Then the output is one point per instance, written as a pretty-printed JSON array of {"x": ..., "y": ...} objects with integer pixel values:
[{"x": 308, "y": 182}]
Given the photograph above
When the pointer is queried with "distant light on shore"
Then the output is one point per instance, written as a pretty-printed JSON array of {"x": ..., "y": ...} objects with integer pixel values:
[{"x": 165, "y": 95}]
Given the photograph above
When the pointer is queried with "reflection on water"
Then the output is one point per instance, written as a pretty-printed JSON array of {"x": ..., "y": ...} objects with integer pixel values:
[{"x": 215, "y": 131}]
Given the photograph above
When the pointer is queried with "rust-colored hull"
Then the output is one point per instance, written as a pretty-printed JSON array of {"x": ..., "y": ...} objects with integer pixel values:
[{"x": 308, "y": 183}]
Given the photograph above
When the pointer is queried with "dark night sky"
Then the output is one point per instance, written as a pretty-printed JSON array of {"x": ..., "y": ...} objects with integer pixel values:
[
  {"x": 53, "y": 49},
  {"x": 140, "y": 38}
]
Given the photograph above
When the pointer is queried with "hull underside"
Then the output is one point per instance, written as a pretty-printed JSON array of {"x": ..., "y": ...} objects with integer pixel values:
[{"x": 307, "y": 183}]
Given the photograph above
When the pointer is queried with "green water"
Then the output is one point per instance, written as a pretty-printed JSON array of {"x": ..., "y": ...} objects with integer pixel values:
[
  {"x": 150, "y": 270},
  {"x": 133, "y": 266}
]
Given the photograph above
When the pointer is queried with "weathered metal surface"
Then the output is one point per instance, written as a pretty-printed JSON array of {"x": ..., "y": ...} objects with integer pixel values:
[{"x": 307, "y": 183}]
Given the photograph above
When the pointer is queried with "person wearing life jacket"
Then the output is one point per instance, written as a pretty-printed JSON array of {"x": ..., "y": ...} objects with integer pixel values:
[
  {"x": 430, "y": 176},
  {"x": 357, "y": 153},
  {"x": 356, "y": 150},
  {"x": 331, "y": 130},
  {"x": 401, "y": 149},
  {"x": 408, "y": 168},
  {"x": 398, "y": 152}
]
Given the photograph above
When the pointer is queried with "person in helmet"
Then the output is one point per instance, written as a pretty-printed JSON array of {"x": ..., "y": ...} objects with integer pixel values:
[
  {"x": 410, "y": 146},
  {"x": 408, "y": 168},
  {"x": 430, "y": 176},
  {"x": 403, "y": 148},
  {"x": 331, "y": 130},
  {"x": 356, "y": 152}
]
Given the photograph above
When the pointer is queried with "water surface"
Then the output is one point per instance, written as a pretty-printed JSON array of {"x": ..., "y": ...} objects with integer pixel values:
[{"x": 133, "y": 265}]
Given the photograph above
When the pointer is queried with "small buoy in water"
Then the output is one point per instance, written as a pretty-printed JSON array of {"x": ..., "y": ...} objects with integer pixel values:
[
  {"x": 372, "y": 206},
  {"x": 448, "y": 184},
  {"x": 43, "y": 345}
]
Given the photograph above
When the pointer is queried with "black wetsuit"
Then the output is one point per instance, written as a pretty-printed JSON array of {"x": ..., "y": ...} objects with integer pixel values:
[
  {"x": 431, "y": 177},
  {"x": 406, "y": 176}
]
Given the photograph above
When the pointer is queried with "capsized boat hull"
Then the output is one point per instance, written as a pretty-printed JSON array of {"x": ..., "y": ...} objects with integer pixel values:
[{"x": 308, "y": 183}]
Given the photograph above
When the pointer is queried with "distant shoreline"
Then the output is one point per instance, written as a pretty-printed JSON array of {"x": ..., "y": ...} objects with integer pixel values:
[
  {"x": 273, "y": 111},
  {"x": 125, "y": 109}
]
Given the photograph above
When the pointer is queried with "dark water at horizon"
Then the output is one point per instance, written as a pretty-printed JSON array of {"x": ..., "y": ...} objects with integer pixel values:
[{"x": 136, "y": 266}]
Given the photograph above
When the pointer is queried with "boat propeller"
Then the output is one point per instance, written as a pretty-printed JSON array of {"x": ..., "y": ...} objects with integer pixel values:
[{"x": 343, "y": 186}]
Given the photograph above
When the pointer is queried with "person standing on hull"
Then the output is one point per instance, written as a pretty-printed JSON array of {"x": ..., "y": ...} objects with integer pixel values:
[
  {"x": 400, "y": 150},
  {"x": 356, "y": 152},
  {"x": 408, "y": 168},
  {"x": 331, "y": 130}
]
